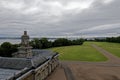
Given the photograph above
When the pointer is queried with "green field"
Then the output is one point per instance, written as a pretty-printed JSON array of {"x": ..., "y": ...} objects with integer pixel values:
[
  {"x": 113, "y": 48},
  {"x": 84, "y": 52}
]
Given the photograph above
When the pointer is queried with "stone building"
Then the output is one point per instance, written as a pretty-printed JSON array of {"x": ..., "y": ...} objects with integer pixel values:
[
  {"x": 28, "y": 63},
  {"x": 25, "y": 50}
]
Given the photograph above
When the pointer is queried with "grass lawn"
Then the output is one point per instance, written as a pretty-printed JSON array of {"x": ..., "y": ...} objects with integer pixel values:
[
  {"x": 113, "y": 48},
  {"x": 79, "y": 53}
]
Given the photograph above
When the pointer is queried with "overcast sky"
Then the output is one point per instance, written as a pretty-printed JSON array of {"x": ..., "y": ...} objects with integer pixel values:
[{"x": 60, "y": 17}]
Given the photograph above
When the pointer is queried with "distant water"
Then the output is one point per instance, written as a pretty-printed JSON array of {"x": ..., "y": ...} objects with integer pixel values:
[
  {"x": 16, "y": 41},
  {"x": 13, "y": 41}
]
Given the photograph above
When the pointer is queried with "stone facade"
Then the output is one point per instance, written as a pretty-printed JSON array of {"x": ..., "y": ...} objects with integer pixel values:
[
  {"x": 28, "y": 63},
  {"x": 41, "y": 72},
  {"x": 25, "y": 50}
]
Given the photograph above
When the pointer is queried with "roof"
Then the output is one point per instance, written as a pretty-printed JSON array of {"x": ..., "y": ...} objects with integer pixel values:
[
  {"x": 39, "y": 57},
  {"x": 10, "y": 66},
  {"x": 14, "y": 63},
  {"x": 7, "y": 73},
  {"x": 44, "y": 53}
]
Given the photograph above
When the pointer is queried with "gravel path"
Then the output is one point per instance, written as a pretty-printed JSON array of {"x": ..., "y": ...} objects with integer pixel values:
[
  {"x": 111, "y": 58},
  {"x": 94, "y": 71},
  {"x": 79, "y": 70}
]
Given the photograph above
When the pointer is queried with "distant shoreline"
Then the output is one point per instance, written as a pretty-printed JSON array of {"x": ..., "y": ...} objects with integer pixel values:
[{"x": 20, "y": 38}]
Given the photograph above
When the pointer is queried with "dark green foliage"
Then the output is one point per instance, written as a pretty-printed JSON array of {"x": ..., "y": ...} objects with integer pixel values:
[
  {"x": 77, "y": 42},
  {"x": 113, "y": 39},
  {"x": 40, "y": 43},
  {"x": 109, "y": 39},
  {"x": 61, "y": 42},
  {"x": 44, "y": 43},
  {"x": 6, "y": 49},
  {"x": 100, "y": 40},
  {"x": 66, "y": 42},
  {"x": 36, "y": 44},
  {"x": 14, "y": 48}
]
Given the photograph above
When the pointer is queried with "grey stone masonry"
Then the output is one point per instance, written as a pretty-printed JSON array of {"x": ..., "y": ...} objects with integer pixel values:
[{"x": 25, "y": 50}]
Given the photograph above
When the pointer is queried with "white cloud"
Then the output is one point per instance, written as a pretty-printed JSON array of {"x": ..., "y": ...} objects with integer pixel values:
[
  {"x": 14, "y": 5},
  {"x": 79, "y": 4},
  {"x": 31, "y": 10},
  {"x": 107, "y": 1}
]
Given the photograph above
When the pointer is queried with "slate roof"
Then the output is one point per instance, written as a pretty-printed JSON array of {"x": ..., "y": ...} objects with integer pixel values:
[
  {"x": 5, "y": 74},
  {"x": 39, "y": 57},
  {"x": 12, "y": 65},
  {"x": 44, "y": 53}
]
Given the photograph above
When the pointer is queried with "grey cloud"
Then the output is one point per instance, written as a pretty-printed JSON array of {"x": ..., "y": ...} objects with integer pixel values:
[{"x": 44, "y": 18}]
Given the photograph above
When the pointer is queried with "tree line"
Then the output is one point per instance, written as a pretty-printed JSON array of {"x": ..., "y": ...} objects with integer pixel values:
[
  {"x": 113, "y": 39},
  {"x": 45, "y": 43},
  {"x": 109, "y": 39},
  {"x": 6, "y": 48}
]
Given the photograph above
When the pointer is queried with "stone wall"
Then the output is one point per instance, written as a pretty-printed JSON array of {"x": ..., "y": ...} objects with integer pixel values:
[
  {"x": 42, "y": 72},
  {"x": 46, "y": 69}
]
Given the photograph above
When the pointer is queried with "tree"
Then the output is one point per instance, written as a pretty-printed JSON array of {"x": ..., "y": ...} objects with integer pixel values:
[
  {"x": 6, "y": 49},
  {"x": 36, "y": 44},
  {"x": 6, "y": 45},
  {"x": 45, "y": 43},
  {"x": 61, "y": 42},
  {"x": 113, "y": 39},
  {"x": 77, "y": 42}
]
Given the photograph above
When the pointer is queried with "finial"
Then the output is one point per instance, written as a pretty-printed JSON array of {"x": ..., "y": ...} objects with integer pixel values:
[{"x": 25, "y": 32}]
